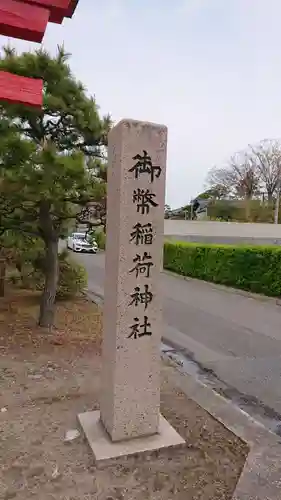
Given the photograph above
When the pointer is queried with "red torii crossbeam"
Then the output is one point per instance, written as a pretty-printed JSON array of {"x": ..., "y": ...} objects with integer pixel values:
[
  {"x": 21, "y": 90},
  {"x": 59, "y": 9},
  {"x": 27, "y": 20},
  {"x": 24, "y": 21}
]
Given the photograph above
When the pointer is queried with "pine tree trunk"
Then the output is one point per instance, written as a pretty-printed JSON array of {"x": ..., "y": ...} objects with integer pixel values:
[{"x": 47, "y": 306}]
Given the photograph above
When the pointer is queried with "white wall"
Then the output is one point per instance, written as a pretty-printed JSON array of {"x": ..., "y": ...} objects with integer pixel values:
[{"x": 222, "y": 229}]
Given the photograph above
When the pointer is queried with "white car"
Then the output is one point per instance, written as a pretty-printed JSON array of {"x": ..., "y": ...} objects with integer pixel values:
[{"x": 78, "y": 243}]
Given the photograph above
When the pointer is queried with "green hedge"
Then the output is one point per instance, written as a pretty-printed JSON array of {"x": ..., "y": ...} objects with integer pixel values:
[{"x": 253, "y": 268}]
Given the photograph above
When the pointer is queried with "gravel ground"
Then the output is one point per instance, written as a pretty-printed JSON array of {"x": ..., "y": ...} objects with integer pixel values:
[{"x": 46, "y": 383}]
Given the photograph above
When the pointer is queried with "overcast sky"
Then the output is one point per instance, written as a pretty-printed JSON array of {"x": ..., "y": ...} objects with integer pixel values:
[{"x": 208, "y": 69}]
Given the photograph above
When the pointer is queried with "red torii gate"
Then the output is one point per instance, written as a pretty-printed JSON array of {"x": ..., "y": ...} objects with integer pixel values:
[{"x": 27, "y": 20}]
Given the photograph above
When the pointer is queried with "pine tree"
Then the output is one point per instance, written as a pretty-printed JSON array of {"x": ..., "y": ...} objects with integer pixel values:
[{"x": 52, "y": 161}]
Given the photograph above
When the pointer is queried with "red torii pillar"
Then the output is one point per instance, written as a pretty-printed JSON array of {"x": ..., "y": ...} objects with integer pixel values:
[{"x": 27, "y": 20}]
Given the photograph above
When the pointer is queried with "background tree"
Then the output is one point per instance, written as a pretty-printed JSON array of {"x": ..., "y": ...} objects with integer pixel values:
[
  {"x": 219, "y": 179},
  {"x": 267, "y": 157},
  {"x": 51, "y": 159},
  {"x": 244, "y": 175},
  {"x": 239, "y": 179},
  {"x": 167, "y": 211},
  {"x": 217, "y": 192}
]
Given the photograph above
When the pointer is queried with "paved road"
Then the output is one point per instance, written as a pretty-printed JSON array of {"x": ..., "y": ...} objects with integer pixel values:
[{"x": 235, "y": 336}]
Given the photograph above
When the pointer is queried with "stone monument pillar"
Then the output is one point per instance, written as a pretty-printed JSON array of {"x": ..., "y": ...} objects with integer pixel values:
[
  {"x": 130, "y": 379},
  {"x": 130, "y": 397}
]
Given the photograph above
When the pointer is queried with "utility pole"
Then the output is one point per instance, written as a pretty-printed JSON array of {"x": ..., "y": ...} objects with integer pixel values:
[{"x": 276, "y": 211}]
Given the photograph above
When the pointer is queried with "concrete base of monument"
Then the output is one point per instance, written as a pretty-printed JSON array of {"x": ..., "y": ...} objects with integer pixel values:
[{"x": 105, "y": 450}]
